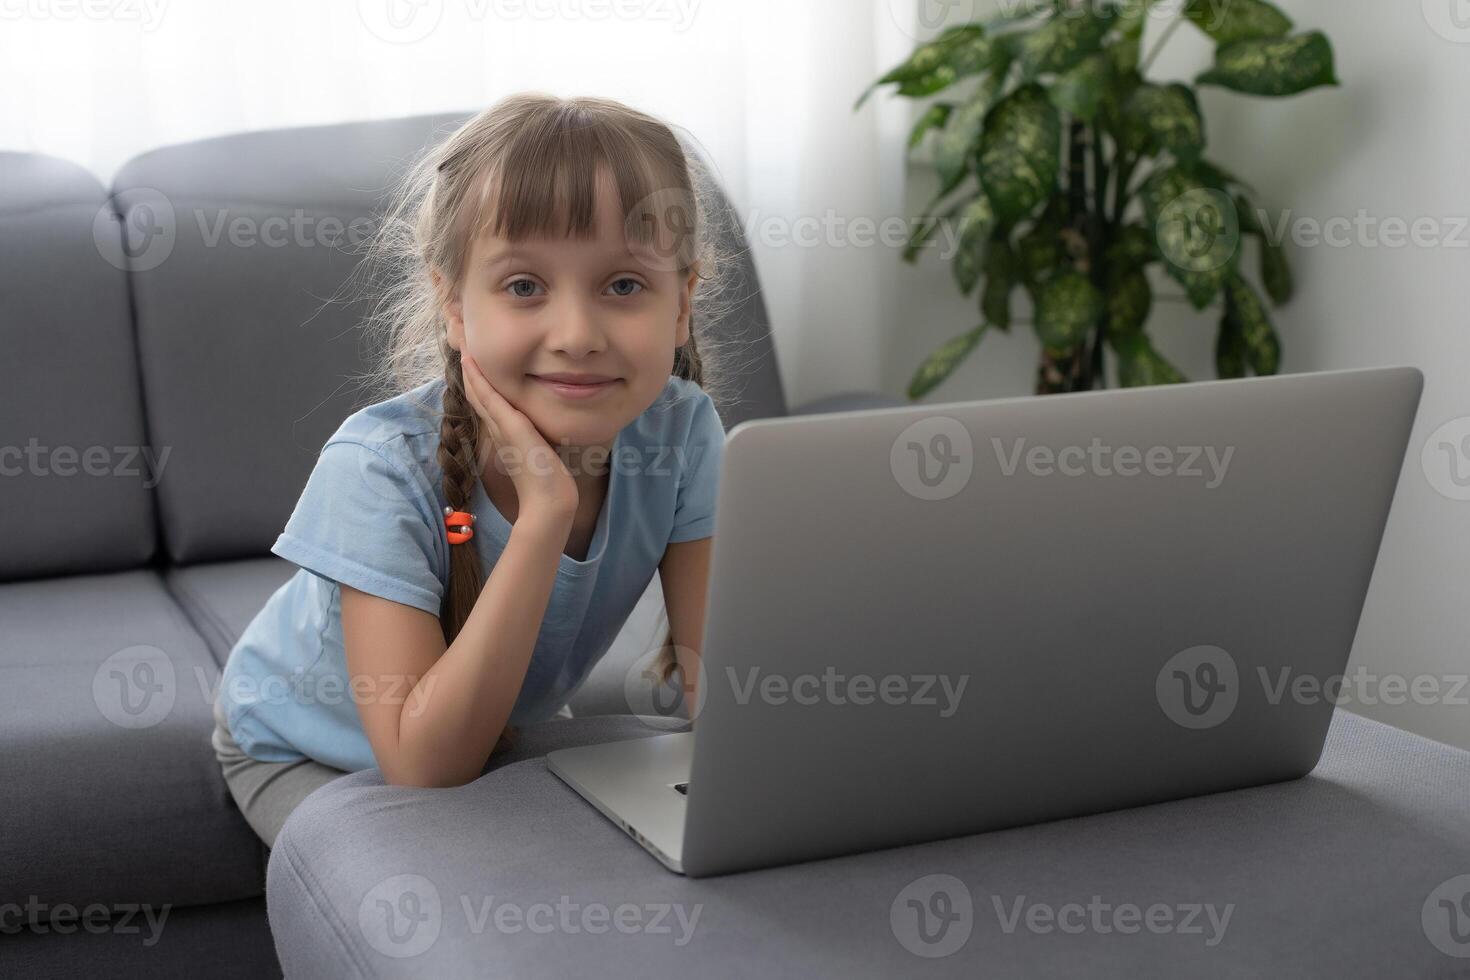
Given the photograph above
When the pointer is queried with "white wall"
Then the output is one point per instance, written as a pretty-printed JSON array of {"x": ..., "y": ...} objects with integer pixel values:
[{"x": 1393, "y": 142}]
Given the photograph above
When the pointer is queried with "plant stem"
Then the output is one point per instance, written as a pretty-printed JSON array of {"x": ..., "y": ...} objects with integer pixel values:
[
  {"x": 1076, "y": 366},
  {"x": 1120, "y": 191},
  {"x": 1076, "y": 175},
  {"x": 1153, "y": 53},
  {"x": 1099, "y": 238},
  {"x": 1099, "y": 177}
]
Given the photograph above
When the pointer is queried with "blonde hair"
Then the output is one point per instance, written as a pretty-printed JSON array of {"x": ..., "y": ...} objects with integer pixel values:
[{"x": 515, "y": 169}]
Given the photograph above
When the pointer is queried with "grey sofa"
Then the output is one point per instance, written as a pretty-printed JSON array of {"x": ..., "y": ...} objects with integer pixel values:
[
  {"x": 123, "y": 586},
  {"x": 166, "y": 381}
]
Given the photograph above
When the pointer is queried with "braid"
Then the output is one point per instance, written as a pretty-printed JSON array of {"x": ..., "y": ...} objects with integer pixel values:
[{"x": 459, "y": 436}]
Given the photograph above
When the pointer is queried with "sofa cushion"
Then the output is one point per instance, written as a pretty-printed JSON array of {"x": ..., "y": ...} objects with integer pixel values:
[
  {"x": 108, "y": 783},
  {"x": 72, "y": 446},
  {"x": 221, "y": 598},
  {"x": 220, "y": 941}
]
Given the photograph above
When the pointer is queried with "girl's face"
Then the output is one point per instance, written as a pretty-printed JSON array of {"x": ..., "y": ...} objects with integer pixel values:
[{"x": 559, "y": 305}]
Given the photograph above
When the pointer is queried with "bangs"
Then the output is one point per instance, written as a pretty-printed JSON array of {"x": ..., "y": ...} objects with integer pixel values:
[{"x": 545, "y": 183}]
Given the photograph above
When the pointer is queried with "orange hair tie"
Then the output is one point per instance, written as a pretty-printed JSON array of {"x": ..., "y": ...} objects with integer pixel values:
[{"x": 458, "y": 525}]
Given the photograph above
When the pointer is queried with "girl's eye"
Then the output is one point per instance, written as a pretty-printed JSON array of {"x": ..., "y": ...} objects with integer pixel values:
[
  {"x": 521, "y": 282},
  {"x": 519, "y": 294}
]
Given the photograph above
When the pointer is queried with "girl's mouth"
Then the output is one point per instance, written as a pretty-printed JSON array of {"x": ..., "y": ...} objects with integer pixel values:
[{"x": 569, "y": 389}]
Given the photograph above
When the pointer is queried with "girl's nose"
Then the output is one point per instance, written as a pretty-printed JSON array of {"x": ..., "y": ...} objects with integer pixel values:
[{"x": 575, "y": 330}]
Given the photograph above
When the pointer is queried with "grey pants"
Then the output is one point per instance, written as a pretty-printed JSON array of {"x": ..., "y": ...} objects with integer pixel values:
[{"x": 266, "y": 792}]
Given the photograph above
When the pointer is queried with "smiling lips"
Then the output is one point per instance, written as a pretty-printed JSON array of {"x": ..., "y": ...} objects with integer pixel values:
[{"x": 575, "y": 385}]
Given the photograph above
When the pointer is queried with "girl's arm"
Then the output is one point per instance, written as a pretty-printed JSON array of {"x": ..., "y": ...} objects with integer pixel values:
[
  {"x": 684, "y": 576},
  {"x": 431, "y": 714}
]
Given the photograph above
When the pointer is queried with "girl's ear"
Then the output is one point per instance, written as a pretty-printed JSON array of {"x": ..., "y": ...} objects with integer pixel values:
[{"x": 453, "y": 312}]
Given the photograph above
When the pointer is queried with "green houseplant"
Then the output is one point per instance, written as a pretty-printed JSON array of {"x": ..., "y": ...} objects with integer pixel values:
[{"x": 1066, "y": 172}]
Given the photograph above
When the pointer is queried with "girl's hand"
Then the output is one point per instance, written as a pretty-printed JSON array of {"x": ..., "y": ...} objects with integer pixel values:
[{"x": 542, "y": 481}]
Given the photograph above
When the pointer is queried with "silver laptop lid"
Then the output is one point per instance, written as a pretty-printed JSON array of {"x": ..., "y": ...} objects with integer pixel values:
[{"x": 937, "y": 620}]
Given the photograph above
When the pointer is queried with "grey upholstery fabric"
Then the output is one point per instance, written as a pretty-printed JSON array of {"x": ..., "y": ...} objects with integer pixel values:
[
  {"x": 246, "y": 337},
  {"x": 108, "y": 786},
  {"x": 224, "y": 941},
  {"x": 221, "y": 598},
  {"x": 76, "y": 495},
  {"x": 1327, "y": 876}
]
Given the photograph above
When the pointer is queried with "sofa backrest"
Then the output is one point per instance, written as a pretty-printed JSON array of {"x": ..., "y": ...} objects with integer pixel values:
[
  {"x": 74, "y": 491},
  {"x": 240, "y": 247}
]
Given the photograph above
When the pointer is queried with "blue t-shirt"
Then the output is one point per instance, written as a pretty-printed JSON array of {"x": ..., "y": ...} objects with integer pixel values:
[{"x": 372, "y": 517}]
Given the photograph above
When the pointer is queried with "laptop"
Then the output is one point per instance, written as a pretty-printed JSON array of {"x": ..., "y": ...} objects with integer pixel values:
[{"x": 939, "y": 620}]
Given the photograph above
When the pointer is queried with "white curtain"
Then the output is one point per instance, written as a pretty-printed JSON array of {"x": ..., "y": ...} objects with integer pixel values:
[{"x": 767, "y": 86}]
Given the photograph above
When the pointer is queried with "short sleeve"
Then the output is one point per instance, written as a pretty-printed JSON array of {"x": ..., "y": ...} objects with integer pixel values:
[
  {"x": 364, "y": 520},
  {"x": 704, "y": 450}
]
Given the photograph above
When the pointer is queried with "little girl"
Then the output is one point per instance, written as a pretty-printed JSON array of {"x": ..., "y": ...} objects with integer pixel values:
[{"x": 548, "y": 422}]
